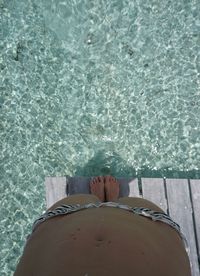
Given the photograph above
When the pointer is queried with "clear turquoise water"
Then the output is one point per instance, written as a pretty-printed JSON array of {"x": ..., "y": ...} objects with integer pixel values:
[{"x": 93, "y": 87}]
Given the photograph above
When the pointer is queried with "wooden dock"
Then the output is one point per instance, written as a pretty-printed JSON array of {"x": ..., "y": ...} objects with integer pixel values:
[{"x": 180, "y": 198}]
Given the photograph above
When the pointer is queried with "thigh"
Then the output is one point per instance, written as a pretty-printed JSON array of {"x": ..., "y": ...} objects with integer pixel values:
[
  {"x": 139, "y": 202},
  {"x": 76, "y": 199}
]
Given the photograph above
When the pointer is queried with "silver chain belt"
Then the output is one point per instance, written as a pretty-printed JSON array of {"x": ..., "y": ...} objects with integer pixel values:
[{"x": 155, "y": 216}]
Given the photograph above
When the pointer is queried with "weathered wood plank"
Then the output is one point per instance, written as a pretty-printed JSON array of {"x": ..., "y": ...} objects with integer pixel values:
[
  {"x": 60, "y": 187},
  {"x": 195, "y": 189},
  {"x": 153, "y": 189},
  {"x": 81, "y": 185},
  {"x": 55, "y": 189},
  {"x": 78, "y": 185},
  {"x": 128, "y": 187},
  {"x": 180, "y": 209}
]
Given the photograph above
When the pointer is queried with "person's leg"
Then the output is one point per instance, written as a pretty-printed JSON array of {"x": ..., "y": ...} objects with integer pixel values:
[
  {"x": 97, "y": 195},
  {"x": 105, "y": 189},
  {"x": 112, "y": 194}
]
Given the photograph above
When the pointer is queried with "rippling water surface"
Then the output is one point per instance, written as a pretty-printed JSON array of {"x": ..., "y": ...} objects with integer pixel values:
[{"x": 93, "y": 87}]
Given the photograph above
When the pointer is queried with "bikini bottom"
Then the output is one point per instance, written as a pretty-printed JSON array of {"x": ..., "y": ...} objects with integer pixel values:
[{"x": 66, "y": 209}]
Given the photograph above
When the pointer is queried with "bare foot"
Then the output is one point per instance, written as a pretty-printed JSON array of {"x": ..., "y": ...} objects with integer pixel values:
[
  {"x": 97, "y": 187},
  {"x": 111, "y": 188}
]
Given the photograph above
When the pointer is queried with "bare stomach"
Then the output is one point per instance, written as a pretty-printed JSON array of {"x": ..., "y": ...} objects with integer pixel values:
[{"x": 106, "y": 241}]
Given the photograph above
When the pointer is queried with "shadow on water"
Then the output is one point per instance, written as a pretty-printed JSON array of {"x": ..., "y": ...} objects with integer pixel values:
[{"x": 112, "y": 164}]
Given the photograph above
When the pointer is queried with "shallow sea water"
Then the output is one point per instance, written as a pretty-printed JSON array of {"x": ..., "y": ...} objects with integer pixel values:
[{"x": 89, "y": 88}]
